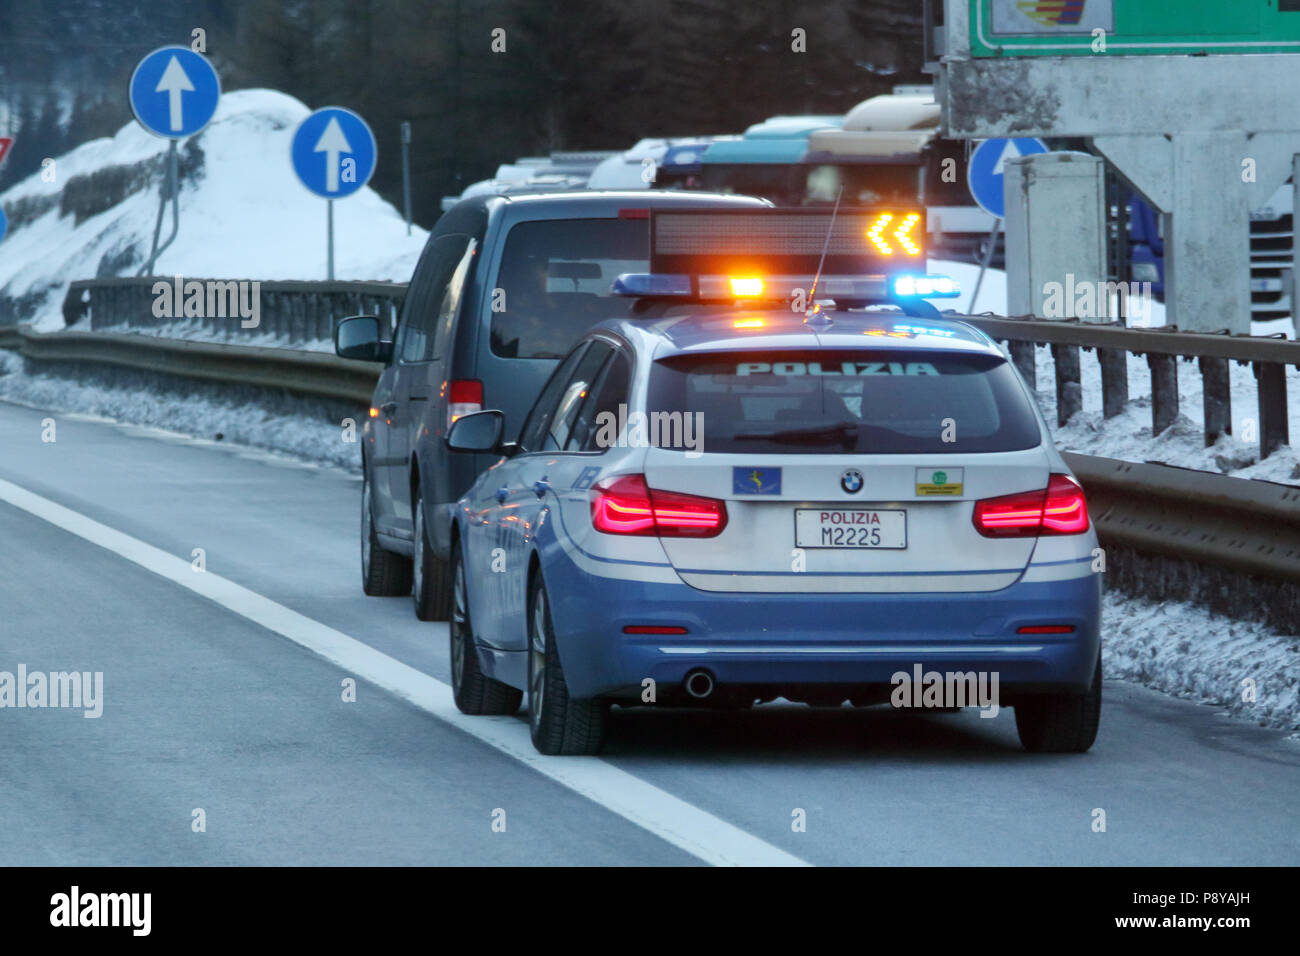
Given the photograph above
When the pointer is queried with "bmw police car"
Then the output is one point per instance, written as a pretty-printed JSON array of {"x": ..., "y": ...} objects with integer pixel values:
[{"x": 722, "y": 500}]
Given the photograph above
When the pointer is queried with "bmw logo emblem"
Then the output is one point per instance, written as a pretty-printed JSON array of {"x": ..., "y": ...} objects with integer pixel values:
[{"x": 851, "y": 481}]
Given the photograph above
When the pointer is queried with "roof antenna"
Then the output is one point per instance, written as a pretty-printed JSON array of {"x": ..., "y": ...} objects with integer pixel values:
[{"x": 813, "y": 309}]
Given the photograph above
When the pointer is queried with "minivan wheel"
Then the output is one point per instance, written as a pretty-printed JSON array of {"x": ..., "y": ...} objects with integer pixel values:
[
  {"x": 474, "y": 692},
  {"x": 432, "y": 596},
  {"x": 383, "y": 573},
  {"x": 1061, "y": 723},
  {"x": 558, "y": 723}
]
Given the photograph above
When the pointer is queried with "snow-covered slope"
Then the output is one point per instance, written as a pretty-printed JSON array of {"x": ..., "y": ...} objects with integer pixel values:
[{"x": 243, "y": 213}]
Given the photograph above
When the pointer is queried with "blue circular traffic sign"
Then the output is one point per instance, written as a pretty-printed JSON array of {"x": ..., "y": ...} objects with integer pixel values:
[
  {"x": 334, "y": 152},
  {"x": 984, "y": 173},
  {"x": 174, "y": 92}
]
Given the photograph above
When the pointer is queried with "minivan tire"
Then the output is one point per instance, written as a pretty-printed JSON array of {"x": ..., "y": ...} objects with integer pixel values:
[
  {"x": 1061, "y": 723},
  {"x": 429, "y": 572},
  {"x": 383, "y": 573}
]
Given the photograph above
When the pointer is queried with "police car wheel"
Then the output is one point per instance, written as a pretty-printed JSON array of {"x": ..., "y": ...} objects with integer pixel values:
[
  {"x": 474, "y": 692},
  {"x": 431, "y": 593},
  {"x": 1061, "y": 723},
  {"x": 558, "y": 723},
  {"x": 383, "y": 573}
]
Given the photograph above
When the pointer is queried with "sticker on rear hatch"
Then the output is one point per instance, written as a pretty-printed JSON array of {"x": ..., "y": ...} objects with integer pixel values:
[
  {"x": 755, "y": 481},
  {"x": 938, "y": 481}
]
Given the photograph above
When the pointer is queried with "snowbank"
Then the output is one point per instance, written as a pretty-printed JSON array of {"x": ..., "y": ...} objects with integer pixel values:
[{"x": 244, "y": 214}]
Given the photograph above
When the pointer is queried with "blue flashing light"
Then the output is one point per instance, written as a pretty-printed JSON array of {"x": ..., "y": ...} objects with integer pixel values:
[
  {"x": 909, "y": 286},
  {"x": 652, "y": 284}
]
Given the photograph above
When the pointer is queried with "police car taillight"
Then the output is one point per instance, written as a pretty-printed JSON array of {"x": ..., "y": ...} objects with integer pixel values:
[
  {"x": 463, "y": 396},
  {"x": 1060, "y": 508},
  {"x": 626, "y": 505}
]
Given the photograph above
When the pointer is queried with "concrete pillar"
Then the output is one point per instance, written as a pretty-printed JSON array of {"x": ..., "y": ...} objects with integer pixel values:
[
  {"x": 1292, "y": 282},
  {"x": 1207, "y": 245},
  {"x": 1056, "y": 237}
]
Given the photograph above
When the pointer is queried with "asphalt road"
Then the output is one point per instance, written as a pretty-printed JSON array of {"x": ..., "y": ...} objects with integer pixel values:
[{"x": 223, "y": 692}]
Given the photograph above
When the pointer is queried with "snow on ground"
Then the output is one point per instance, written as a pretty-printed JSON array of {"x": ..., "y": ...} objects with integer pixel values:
[
  {"x": 1186, "y": 651},
  {"x": 194, "y": 331},
  {"x": 303, "y": 427},
  {"x": 247, "y": 216}
]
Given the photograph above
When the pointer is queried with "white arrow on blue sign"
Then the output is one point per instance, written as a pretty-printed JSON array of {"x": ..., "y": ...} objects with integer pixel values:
[
  {"x": 174, "y": 92},
  {"x": 334, "y": 152},
  {"x": 985, "y": 172}
]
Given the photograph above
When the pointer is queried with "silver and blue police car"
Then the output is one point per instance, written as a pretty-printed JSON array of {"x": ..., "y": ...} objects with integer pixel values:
[{"x": 730, "y": 503}]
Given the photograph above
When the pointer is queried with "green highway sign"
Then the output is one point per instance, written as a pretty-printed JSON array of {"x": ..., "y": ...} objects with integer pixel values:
[{"x": 1127, "y": 27}]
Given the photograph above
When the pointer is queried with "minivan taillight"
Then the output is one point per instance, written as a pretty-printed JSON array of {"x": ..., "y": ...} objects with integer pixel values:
[
  {"x": 626, "y": 505},
  {"x": 1059, "y": 508},
  {"x": 463, "y": 396}
]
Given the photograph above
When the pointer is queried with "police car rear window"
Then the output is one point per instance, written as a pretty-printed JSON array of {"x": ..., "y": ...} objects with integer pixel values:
[
  {"x": 555, "y": 280},
  {"x": 869, "y": 402}
]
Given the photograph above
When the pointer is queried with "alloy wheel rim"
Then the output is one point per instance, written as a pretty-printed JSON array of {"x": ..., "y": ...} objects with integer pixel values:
[
  {"x": 365, "y": 526},
  {"x": 459, "y": 628},
  {"x": 537, "y": 657},
  {"x": 419, "y": 549}
]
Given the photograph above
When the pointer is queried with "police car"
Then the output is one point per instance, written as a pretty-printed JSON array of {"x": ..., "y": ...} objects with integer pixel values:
[{"x": 722, "y": 501}]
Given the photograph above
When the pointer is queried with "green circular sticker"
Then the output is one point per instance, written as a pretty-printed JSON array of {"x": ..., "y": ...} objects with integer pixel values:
[{"x": 940, "y": 478}]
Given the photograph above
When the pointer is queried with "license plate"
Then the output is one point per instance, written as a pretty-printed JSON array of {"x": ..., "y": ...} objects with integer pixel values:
[{"x": 849, "y": 528}]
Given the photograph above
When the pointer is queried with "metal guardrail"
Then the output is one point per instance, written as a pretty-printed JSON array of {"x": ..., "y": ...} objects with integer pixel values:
[
  {"x": 320, "y": 374},
  {"x": 1244, "y": 525},
  {"x": 1162, "y": 348}
]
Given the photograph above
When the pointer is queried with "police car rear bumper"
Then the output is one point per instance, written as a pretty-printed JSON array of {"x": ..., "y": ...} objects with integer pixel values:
[{"x": 789, "y": 640}]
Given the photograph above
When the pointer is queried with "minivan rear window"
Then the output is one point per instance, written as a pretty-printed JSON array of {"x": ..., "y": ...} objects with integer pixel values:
[
  {"x": 869, "y": 402},
  {"x": 554, "y": 282}
]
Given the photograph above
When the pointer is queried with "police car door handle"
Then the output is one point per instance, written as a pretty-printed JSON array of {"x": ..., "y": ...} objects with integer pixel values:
[
  {"x": 541, "y": 487},
  {"x": 388, "y": 408},
  {"x": 502, "y": 494}
]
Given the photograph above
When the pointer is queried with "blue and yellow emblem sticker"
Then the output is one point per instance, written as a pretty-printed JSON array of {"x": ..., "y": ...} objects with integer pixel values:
[{"x": 755, "y": 481}]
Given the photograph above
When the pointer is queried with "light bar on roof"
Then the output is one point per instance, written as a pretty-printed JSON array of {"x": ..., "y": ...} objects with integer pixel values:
[
  {"x": 725, "y": 288},
  {"x": 786, "y": 241}
]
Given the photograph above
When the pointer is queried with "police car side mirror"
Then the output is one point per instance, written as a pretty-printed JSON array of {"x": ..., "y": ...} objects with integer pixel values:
[
  {"x": 357, "y": 337},
  {"x": 477, "y": 431}
]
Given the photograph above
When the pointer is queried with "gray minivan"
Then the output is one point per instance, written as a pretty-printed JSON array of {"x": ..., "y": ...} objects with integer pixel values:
[{"x": 503, "y": 289}]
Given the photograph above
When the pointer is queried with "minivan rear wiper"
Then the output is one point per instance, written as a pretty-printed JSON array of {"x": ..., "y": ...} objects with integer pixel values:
[{"x": 844, "y": 433}]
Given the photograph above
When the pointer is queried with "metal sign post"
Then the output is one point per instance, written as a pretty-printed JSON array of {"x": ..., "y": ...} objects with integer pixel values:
[
  {"x": 333, "y": 154},
  {"x": 984, "y": 264},
  {"x": 406, "y": 173},
  {"x": 174, "y": 93}
]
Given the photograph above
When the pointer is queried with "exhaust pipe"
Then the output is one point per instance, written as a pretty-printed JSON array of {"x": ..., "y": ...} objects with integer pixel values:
[{"x": 698, "y": 683}]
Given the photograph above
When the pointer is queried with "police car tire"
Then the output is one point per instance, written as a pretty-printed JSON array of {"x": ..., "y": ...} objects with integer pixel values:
[
  {"x": 431, "y": 588},
  {"x": 475, "y": 693},
  {"x": 1061, "y": 723},
  {"x": 383, "y": 573},
  {"x": 567, "y": 725}
]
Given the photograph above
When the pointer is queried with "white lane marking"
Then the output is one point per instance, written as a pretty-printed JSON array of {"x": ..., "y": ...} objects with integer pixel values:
[{"x": 682, "y": 824}]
